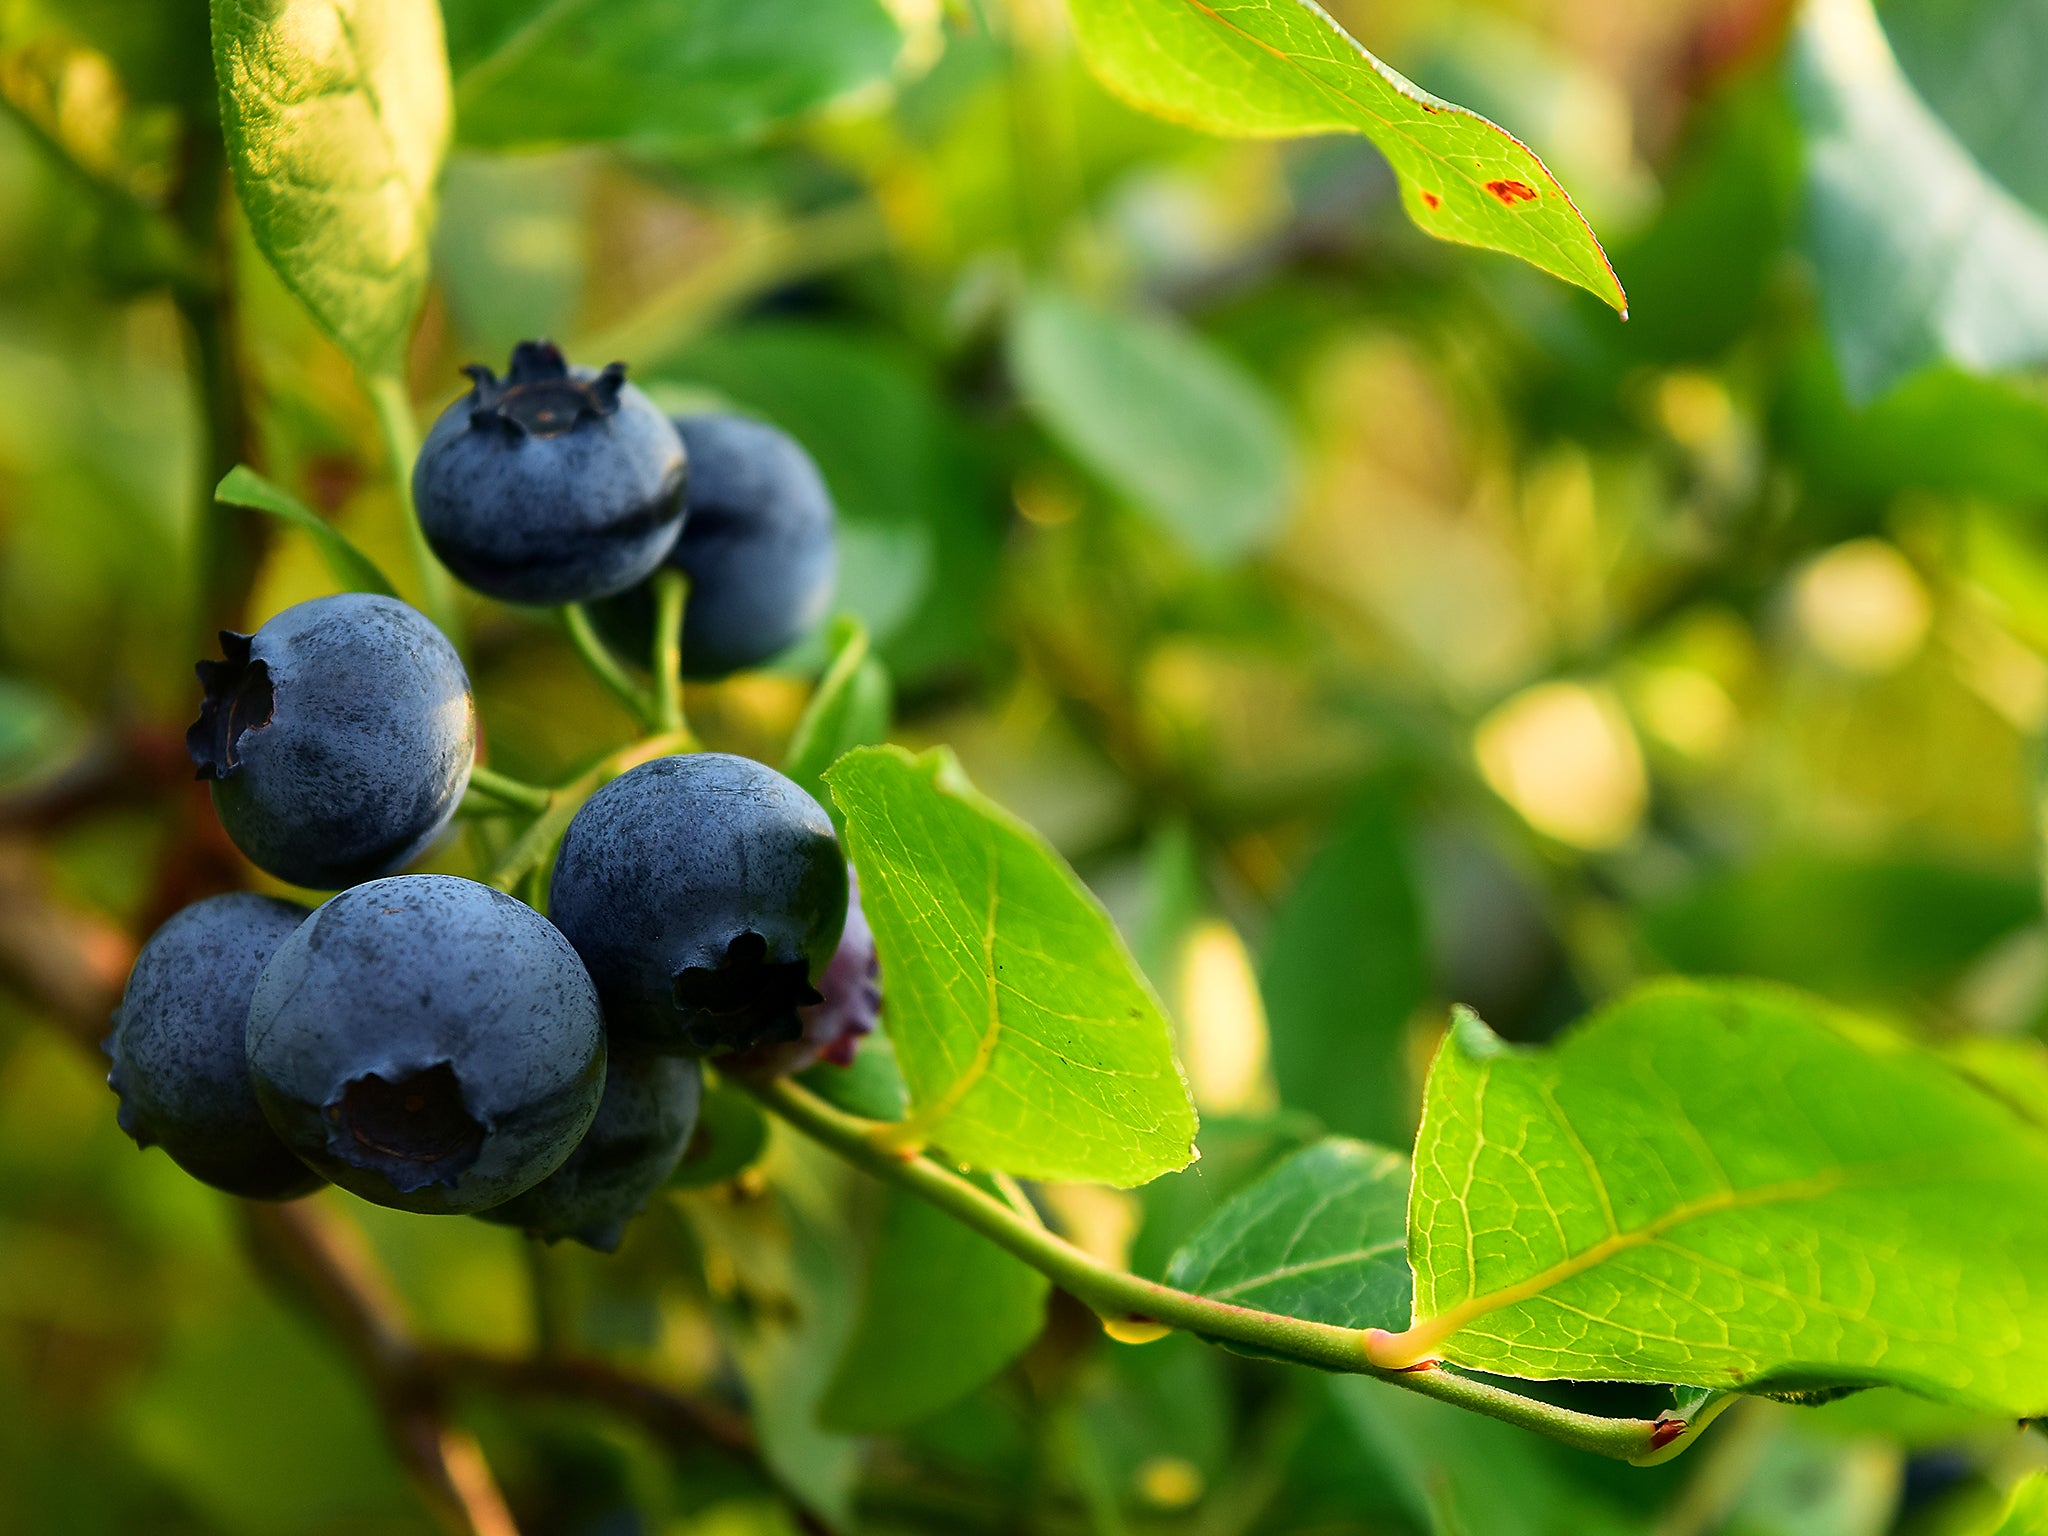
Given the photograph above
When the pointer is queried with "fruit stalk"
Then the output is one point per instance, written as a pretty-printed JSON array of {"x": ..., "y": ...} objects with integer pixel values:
[
  {"x": 392, "y": 403},
  {"x": 1122, "y": 1299},
  {"x": 671, "y": 588},
  {"x": 604, "y": 666}
]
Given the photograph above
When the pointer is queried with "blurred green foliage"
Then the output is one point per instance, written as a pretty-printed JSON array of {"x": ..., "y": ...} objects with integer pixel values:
[{"x": 1374, "y": 622}]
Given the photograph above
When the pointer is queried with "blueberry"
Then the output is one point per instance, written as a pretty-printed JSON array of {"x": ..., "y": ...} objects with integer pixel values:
[
  {"x": 179, "y": 1065},
  {"x": 757, "y": 545},
  {"x": 551, "y": 485},
  {"x": 649, "y": 1110},
  {"x": 338, "y": 737},
  {"x": 428, "y": 1043},
  {"x": 705, "y": 893},
  {"x": 832, "y": 1029}
]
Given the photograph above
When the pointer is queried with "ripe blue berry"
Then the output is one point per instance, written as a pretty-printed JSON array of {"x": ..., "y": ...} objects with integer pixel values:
[
  {"x": 551, "y": 485},
  {"x": 649, "y": 1110},
  {"x": 427, "y": 1043},
  {"x": 852, "y": 1006},
  {"x": 705, "y": 893},
  {"x": 179, "y": 1065},
  {"x": 757, "y": 545},
  {"x": 338, "y": 737}
]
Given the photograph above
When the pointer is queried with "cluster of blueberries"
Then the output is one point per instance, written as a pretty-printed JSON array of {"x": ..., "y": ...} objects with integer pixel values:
[{"x": 432, "y": 1043}]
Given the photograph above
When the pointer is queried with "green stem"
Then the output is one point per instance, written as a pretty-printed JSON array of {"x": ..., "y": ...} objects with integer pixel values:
[
  {"x": 499, "y": 786},
  {"x": 671, "y": 587},
  {"x": 538, "y": 840},
  {"x": 1120, "y": 1297},
  {"x": 393, "y": 405},
  {"x": 605, "y": 666}
]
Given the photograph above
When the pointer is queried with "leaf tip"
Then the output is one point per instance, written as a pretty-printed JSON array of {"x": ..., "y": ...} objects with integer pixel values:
[{"x": 1472, "y": 1038}]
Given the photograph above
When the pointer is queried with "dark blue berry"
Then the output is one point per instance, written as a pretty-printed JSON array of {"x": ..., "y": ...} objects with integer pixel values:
[
  {"x": 339, "y": 738},
  {"x": 179, "y": 1065},
  {"x": 428, "y": 1043},
  {"x": 757, "y": 545},
  {"x": 551, "y": 485},
  {"x": 649, "y": 1110},
  {"x": 852, "y": 1006},
  {"x": 705, "y": 893}
]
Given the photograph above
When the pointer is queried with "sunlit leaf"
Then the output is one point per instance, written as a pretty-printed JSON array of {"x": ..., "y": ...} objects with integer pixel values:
[
  {"x": 1028, "y": 1038},
  {"x": 1921, "y": 256},
  {"x": 1160, "y": 414},
  {"x": 1284, "y": 68},
  {"x": 1731, "y": 1186},
  {"x": 659, "y": 74},
  {"x": 354, "y": 570},
  {"x": 944, "y": 1309},
  {"x": 336, "y": 118},
  {"x": 1324, "y": 1236}
]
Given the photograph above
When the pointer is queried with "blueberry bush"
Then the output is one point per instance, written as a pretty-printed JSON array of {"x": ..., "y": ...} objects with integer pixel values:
[{"x": 1108, "y": 791}]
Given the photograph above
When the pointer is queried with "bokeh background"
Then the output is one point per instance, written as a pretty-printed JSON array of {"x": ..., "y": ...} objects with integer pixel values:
[{"x": 1374, "y": 623}]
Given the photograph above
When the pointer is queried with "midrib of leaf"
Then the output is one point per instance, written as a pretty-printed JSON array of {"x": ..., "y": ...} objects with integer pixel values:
[
  {"x": 1373, "y": 62},
  {"x": 1414, "y": 1345},
  {"x": 515, "y": 47},
  {"x": 366, "y": 83},
  {"x": 916, "y": 1128},
  {"x": 1307, "y": 1267}
]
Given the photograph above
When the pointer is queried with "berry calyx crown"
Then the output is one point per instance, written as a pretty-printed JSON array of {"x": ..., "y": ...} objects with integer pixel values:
[{"x": 539, "y": 395}]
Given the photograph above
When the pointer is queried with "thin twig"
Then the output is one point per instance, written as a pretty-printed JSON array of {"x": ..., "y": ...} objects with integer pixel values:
[
  {"x": 1121, "y": 1297},
  {"x": 327, "y": 1265}
]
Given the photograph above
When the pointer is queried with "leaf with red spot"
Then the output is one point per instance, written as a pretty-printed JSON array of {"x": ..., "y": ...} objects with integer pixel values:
[{"x": 1284, "y": 68}]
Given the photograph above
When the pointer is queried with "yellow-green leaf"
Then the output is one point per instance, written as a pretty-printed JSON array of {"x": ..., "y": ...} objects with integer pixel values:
[
  {"x": 1734, "y": 1186},
  {"x": 1029, "y": 1040},
  {"x": 1284, "y": 68},
  {"x": 336, "y": 118}
]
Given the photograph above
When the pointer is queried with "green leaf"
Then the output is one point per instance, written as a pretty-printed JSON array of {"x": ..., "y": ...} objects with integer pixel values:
[
  {"x": 1733, "y": 1186},
  {"x": 1345, "y": 965},
  {"x": 871, "y": 1085},
  {"x": 2026, "y": 1512},
  {"x": 1162, "y": 416},
  {"x": 335, "y": 114},
  {"x": 944, "y": 1310},
  {"x": 658, "y": 74},
  {"x": 1029, "y": 1039},
  {"x": 1847, "y": 927},
  {"x": 356, "y": 571},
  {"x": 731, "y": 1135},
  {"x": 1284, "y": 68},
  {"x": 1459, "y": 1474},
  {"x": 1983, "y": 66},
  {"x": 1921, "y": 256},
  {"x": 1324, "y": 1236},
  {"x": 849, "y": 708}
]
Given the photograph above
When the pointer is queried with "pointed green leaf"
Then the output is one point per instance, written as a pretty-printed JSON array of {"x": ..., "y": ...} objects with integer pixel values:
[
  {"x": 1167, "y": 420},
  {"x": 1028, "y": 1038},
  {"x": 1462, "y": 1474},
  {"x": 1921, "y": 256},
  {"x": 1284, "y": 68},
  {"x": 850, "y": 708},
  {"x": 1730, "y": 1185},
  {"x": 1340, "y": 1031},
  {"x": 2026, "y": 1512},
  {"x": 944, "y": 1310},
  {"x": 335, "y": 114},
  {"x": 1324, "y": 1236},
  {"x": 658, "y": 74},
  {"x": 354, "y": 570}
]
